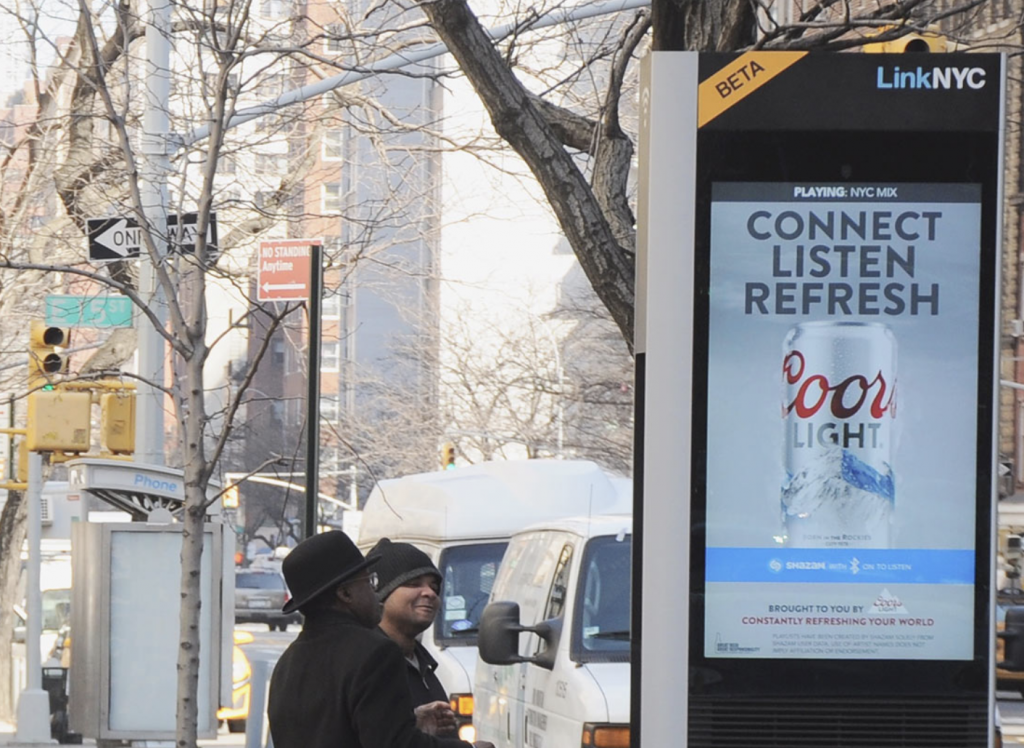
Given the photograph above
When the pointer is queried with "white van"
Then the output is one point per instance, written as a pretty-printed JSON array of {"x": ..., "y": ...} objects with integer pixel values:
[
  {"x": 463, "y": 520},
  {"x": 554, "y": 643}
]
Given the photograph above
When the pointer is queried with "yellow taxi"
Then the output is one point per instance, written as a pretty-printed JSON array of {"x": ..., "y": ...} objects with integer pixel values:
[
  {"x": 241, "y": 673},
  {"x": 1007, "y": 680}
]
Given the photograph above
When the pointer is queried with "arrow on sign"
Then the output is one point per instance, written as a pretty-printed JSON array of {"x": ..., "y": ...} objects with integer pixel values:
[
  {"x": 113, "y": 238},
  {"x": 268, "y": 287},
  {"x": 120, "y": 239}
]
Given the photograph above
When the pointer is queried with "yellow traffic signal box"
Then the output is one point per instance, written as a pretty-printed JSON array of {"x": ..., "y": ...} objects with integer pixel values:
[
  {"x": 59, "y": 421},
  {"x": 929, "y": 41},
  {"x": 117, "y": 422}
]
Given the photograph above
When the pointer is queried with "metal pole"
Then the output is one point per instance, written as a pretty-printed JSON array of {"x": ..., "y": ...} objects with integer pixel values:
[
  {"x": 34, "y": 703},
  {"x": 149, "y": 404},
  {"x": 313, "y": 391},
  {"x": 11, "y": 451}
]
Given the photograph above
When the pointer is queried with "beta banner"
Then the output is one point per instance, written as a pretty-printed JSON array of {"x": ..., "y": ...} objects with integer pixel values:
[{"x": 842, "y": 427}]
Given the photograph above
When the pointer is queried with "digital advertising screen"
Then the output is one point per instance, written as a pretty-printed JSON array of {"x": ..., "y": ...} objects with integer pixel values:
[{"x": 842, "y": 426}]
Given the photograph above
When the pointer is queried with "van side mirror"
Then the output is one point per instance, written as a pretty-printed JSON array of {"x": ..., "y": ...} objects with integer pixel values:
[
  {"x": 498, "y": 640},
  {"x": 1013, "y": 639}
]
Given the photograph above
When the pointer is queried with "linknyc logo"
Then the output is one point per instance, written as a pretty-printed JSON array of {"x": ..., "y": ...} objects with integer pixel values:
[{"x": 946, "y": 78}]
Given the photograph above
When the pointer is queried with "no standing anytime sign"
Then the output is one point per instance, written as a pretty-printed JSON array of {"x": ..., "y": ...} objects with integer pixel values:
[{"x": 284, "y": 269}]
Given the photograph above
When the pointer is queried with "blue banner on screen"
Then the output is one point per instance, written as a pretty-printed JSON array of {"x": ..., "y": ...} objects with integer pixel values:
[
  {"x": 836, "y": 566},
  {"x": 842, "y": 431}
]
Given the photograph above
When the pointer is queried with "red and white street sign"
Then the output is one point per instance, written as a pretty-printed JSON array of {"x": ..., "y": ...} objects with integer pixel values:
[{"x": 284, "y": 269}]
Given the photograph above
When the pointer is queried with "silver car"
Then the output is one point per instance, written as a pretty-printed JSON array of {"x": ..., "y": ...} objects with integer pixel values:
[{"x": 259, "y": 596}]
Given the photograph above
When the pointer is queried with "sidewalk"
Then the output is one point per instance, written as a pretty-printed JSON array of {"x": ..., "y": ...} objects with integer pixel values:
[{"x": 8, "y": 739}]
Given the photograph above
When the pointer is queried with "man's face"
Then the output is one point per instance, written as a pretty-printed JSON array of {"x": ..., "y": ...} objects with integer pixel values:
[
  {"x": 412, "y": 607},
  {"x": 363, "y": 602}
]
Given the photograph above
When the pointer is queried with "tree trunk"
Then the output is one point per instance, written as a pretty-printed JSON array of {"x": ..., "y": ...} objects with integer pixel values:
[
  {"x": 13, "y": 529},
  {"x": 703, "y": 25},
  {"x": 195, "y": 479},
  {"x": 521, "y": 123}
]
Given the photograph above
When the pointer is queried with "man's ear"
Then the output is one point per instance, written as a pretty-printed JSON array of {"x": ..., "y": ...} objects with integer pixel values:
[{"x": 343, "y": 594}]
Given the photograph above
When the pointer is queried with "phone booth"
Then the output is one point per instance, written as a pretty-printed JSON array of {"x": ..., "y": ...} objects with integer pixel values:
[{"x": 126, "y": 601}]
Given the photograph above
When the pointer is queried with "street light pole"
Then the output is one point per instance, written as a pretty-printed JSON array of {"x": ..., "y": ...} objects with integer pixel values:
[
  {"x": 34, "y": 702},
  {"x": 560, "y": 373},
  {"x": 149, "y": 406}
]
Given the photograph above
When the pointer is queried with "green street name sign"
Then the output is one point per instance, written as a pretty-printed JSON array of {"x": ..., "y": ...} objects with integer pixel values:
[{"x": 88, "y": 311}]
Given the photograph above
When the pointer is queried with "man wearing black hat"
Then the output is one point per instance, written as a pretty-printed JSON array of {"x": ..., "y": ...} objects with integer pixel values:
[
  {"x": 409, "y": 588},
  {"x": 341, "y": 682}
]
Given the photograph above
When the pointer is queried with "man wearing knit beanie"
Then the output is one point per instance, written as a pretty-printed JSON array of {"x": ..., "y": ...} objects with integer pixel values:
[{"x": 409, "y": 588}]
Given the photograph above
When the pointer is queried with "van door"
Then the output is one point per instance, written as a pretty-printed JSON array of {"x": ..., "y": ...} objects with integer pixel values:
[
  {"x": 544, "y": 723},
  {"x": 525, "y": 575}
]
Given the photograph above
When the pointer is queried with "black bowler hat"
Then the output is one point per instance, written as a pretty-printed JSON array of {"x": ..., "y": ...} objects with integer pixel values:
[{"x": 319, "y": 564}]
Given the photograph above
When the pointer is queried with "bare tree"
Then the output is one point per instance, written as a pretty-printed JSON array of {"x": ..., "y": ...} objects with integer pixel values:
[
  {"x": 81, "y": 147},
  {"x": 581, "y": 156}
]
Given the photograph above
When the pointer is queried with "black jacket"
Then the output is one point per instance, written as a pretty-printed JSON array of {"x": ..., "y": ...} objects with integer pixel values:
[
  {"x": 424, "y": 686},
  {"x": 339, "y": 685}
]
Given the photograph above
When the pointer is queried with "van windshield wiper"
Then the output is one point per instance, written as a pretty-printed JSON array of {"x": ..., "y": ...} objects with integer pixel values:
[{"x": 621, "y": 636}]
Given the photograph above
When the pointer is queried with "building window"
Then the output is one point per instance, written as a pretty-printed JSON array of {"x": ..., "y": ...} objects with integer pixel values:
[
  {"x": 334, "y": 148},
  {"x": 329, "y": 407},
  {"x": 271, "y": 165},
  {"x": 265, "y": 200},
  {"x": 271, "y": 86},
  {"x": 331, "y": 198},
  {"x": 228, "y": 195},
  {"x": 210, "y": 84},
  {"x": 330, "y": 355},
  {"x": 276, "y": 8},
  {"x": 331, "y": 308},
  {"x": 334, "y": 33}
]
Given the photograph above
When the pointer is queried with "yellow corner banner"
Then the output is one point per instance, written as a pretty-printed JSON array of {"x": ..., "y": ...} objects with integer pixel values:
[{"x": 739, "y": 79}]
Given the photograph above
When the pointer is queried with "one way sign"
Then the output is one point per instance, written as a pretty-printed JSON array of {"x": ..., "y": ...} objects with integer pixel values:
[
  {"x": 187, "y": 233},
  {"x": 113, "y": 239},
  {"x": 119, "y": 238}
]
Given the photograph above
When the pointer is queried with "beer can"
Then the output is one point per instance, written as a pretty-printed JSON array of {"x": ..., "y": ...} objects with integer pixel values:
[{"x": 839, "y": 409}]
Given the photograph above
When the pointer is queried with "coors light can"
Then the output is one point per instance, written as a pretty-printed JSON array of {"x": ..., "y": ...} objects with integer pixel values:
[{"x": 838, "y": 406}]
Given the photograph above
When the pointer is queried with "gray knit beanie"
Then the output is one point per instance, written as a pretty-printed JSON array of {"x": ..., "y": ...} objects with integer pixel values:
[{"x": 399, "y": 562}]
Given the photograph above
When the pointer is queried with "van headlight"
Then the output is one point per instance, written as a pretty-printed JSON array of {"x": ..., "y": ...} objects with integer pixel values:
[{"x": 597, "y": 735}]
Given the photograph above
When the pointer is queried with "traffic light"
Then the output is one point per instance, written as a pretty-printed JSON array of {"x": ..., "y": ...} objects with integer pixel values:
[
  {"x": 59, "y": 421},
  {"x": 117, "y": 422},
  {"x": 928, "y": 41},
  {"x": 447, "y": 456},
  {"x": 230, "y": 497},
  {"x": 44, "y": 361}
]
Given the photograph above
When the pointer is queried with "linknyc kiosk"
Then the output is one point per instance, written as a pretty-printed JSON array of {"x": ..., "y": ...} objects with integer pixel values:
[{"x": 817, "y": 325}]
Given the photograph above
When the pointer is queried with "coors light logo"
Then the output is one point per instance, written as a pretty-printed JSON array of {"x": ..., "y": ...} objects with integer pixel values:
[{"x": 838, "y": 407}]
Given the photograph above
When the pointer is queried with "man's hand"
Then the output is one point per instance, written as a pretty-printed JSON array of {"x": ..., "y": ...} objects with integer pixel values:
[{"x": 435, "y": 717}]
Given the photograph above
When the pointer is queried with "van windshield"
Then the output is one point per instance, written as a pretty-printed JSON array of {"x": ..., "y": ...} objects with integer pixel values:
[
  {"x": 601, "y": 621},
  {"x": 56, "y": 609},
  {"x": 468, "y": 577}
]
